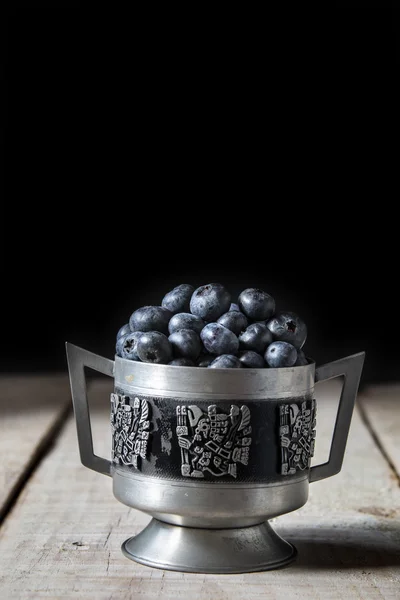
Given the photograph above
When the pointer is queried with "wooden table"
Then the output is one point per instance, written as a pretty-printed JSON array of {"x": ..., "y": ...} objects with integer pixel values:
[{"x": 61, "y": 528}]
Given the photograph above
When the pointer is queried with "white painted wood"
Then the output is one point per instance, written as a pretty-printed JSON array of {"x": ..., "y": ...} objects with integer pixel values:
[
  {"x": 29, "y": 408},
  {"x": 382, "y": 408},
  {"x": 63, "y": 537}
]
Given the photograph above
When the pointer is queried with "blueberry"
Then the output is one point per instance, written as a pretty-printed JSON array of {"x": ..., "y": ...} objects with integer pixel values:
[
  {"x": 234, "y": 306},
  {"x": 182, "y": 362},
  {"x": 251, "y": 360},
  {"x": 256, "y": 304},
  {"x": 124, "y": 330},
  {"x": 127, "y": 345},
  {"x": 301, "y": 359},
  {"x": 217, "y": 339},
  {"x": 210, "y": 301},
  {"x": 225, "y": 361},
  {"x": 281, "y": 354},
  {"x": 119, "y": 346},
  {"x": 154, "y": 347},
  {"x": 234, "y": 320},
  {"x": 178, "y": 299},
  {"x": 185, "y": 321},
  {"x": 185, "y": 343},
  {"x": 205, "y": 359},
  {"x": 150, "y": 318},
  {"x": 288, "y": 327},
  {"x": 256, "y": 337}
]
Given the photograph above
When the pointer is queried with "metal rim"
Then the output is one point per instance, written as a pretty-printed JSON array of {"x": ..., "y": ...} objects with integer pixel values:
[
  {"x": 171, "y": 381},
  {"x": 118, "y": 359}
]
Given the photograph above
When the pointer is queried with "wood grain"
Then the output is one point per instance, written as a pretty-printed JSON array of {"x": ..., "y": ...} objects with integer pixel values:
[
  {"x": 63, "y": 537},
  {"x": 381, "y": 406},
  {"x": 30, "y": 408}
]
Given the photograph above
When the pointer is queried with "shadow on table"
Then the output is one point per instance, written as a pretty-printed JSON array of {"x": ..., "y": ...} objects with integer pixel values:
[
  {"x": 352, "y": 548},
  {"x": 32, "y": 393}
]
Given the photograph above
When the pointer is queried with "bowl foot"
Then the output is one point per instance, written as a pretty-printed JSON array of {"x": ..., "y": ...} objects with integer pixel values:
[{"x": 194, "y": 550}]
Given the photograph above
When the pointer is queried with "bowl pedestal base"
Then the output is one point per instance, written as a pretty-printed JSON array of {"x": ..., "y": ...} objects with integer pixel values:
[{"x": 195, "y": 550}]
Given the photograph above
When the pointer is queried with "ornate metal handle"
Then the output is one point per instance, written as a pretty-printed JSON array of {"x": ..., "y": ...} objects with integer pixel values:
[
  {"x": 78, "y": 359},
  {"x": 351, "y": 368}
]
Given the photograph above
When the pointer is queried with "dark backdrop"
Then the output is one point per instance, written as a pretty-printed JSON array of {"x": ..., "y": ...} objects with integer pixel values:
[{"x": 255, "y": 153}]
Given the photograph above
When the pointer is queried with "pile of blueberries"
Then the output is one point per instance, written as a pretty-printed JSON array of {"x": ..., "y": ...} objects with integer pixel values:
[{"x": 203, "y": 328}]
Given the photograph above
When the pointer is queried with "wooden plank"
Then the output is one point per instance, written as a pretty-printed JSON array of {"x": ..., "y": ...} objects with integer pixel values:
[
  {"x": 381, "y": 406},
  {"x": 63, "y": 538},
  {"x": 30, "y": 408}
]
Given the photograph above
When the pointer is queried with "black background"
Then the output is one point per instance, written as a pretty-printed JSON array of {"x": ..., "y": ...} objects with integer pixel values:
[{"x": 146, "y": 150}]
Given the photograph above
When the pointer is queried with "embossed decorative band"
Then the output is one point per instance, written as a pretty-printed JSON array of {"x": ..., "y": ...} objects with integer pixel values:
[
  {"x": 213, "y": 442},
  {"x": 297, "y": 435},
  {"x": 131, "y": 430},
  {"x": 220, "y": 442}
]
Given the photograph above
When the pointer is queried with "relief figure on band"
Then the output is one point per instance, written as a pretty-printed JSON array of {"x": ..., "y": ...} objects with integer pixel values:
[
  {"x": 213, "y": 443},
  {"x": 297, "y": 436},
  {"x": 130, "y": 424}
]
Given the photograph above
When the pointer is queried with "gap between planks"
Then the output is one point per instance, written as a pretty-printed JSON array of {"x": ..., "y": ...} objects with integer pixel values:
[
  {"x": 27, "y": 389},
  {"x": 39, "y": 454}
]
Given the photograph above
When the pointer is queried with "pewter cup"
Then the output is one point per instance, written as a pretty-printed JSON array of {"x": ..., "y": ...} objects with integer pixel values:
[{"x": 211, "y": 455}]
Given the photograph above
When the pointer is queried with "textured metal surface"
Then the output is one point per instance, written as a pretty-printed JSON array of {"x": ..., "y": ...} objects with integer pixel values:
[
  {"x": 221, "y": 442},
  {"x": 209, "y": 504},
  {"x": 297, "y": 435},
  {"x": 213, "y": 442},
  {"x": 131, "y": 430},
  {"x": 240, "y": 550}
]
